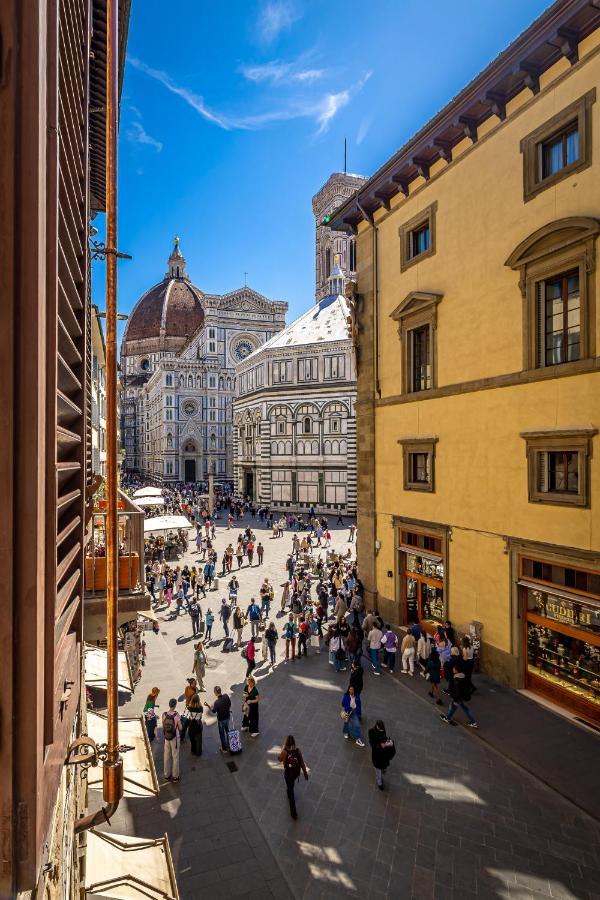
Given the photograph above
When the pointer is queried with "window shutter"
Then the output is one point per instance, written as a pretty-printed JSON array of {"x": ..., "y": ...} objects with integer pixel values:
[
  {"x": 540, "y": 323},
  {"x": 542, "y": 470}
]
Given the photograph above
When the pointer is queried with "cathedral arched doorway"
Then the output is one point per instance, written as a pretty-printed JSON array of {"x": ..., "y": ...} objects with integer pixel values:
[{"x": 190, "y": 470}]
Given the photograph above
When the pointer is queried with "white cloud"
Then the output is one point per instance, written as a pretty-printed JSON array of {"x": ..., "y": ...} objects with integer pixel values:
[
  {"x": 363, "y": 129},
  {"x": 321, "y": 109},
  {"x": 328, "y": 107},
  {"x": 193, "y": 100},
  {"x": 278, "y": 72},
  {"x": 276, "y": 16},
  {"x": 138, "y": 135}
]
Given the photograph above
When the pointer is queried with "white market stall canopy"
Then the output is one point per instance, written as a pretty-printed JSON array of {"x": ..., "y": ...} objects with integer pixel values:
[
  {"x": 122, "y": 867},
  {"x": 146, "y": 492},
  {"x": 165, "y": 523},
  {"x": 96, "y": 669},
  {"x": 139, "y": 774},
  {"x": 150, "y": 501}
]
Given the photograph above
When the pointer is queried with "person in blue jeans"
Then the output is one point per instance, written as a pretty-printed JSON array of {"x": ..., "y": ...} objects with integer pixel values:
[
  {"x": 351, "y": 712},
  {"x": 389, "y": 643},
  {"x": 374, "y": 641},
  {"x": 253, "y": 614},
  {"x": 461, "y": 691},
  {"x": 221, "y": 708},
  {"x": 210, "y": 618}
]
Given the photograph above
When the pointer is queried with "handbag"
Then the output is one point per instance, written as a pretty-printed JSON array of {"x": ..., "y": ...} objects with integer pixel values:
[
  {"x": 344, "y": 716},
  {"x": 314, "y": 640}
]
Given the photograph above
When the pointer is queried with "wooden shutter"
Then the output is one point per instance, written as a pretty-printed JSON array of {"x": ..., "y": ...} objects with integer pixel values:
[{"x": 540, "y": 323}]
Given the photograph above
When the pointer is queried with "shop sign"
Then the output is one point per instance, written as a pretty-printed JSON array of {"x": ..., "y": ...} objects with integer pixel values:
[{"x": 570, "y": 613}]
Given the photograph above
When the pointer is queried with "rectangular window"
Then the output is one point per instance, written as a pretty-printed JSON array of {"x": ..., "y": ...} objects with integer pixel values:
[
  {"x": 419, "y": 241},
  {"x": 559, "y": 147},
  {"x": 417, "y": 237},
  {"x": 418, "y": 457},
  {"x": 212, "y": 347},
  {"x": 559, "y": 320},
  {"x": 282, "y": 372},
  {"x": 558, "y": 465},
  {"x": 335, "y": 367},
  {"x": 559, "y": 151},
  {"x": 212, "y": 333},
  {"x": 420, "y": 347},
  {"x": 169, "y": 416},
  {"x": 308, "y": 369}
]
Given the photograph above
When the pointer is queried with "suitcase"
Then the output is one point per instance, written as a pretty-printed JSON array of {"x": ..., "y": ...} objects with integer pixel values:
[
  {"x": 227, "y": 645},
  {"x": 235, "y": 740},
  {"x": 215, "y": 584}
]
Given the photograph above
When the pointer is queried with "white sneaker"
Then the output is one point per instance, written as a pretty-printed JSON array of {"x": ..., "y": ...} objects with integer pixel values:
[
  {"x": 346, "y": 737},
  {"x": 360, "y": 743}
]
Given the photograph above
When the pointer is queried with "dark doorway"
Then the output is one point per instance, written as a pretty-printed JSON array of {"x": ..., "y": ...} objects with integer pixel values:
[
  {"x": 249, "y": 485},
  {"x": 190, "y": 470}
]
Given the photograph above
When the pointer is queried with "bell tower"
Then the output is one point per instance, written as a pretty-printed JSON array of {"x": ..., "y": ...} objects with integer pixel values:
[
  {"x": 333, "y": 246},
  {"x": 176, "y": 262}
]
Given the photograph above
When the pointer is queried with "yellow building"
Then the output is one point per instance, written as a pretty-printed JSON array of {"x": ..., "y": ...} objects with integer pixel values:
[{"x": 478, "y": 371}]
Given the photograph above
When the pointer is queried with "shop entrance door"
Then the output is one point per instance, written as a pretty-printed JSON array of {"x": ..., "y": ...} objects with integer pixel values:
[
  {"x": 190, "y": 470},
  {"x": 249, "y": 485},
  {"x": 424, "y": 601}
]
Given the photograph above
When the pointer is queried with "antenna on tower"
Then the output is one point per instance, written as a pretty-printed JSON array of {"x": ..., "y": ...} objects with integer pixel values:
[{"x": 345, "y": 155}]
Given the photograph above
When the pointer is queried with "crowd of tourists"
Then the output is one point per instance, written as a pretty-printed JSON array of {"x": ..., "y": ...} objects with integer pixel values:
[{"x": 321, "y": 603}]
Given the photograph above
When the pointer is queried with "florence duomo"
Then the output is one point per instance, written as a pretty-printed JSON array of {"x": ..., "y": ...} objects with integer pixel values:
[{"x": 178, "y": 358}]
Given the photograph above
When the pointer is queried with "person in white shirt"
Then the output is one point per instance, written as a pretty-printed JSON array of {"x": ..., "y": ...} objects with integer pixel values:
[
  {"x": 374, "y": 643},
  {"x": 171, "y": 723}
]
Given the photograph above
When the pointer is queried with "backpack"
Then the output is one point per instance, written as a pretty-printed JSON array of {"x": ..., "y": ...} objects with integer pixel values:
[
  {"x": 169, "y": 728},
  {"x": 292, "y": 764}
]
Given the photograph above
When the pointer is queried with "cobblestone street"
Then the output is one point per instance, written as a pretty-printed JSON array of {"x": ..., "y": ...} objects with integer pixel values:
[{"x": 457, "y": 817}]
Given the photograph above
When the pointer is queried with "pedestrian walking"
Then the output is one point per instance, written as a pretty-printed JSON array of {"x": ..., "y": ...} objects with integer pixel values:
[
  {"x": 250, "y": 707},
  {"x": 434, "y": 674},
  {"x": 199, "y": 666},
  {"x": 194, "y": 611},
  {"x": 423, "y": 652},
  {"x": 210, "y": 621},
  {"x": 382, "y": 750},
  {"x": 461, "y": 693},
  {"x": 356, "y": 678},
  {"x": 224, "y": 614},
  {"x": 238, "y": 624},
  {"x": 374, "y": 643},
  {"x": 253, "y": 614},
  {"x": 351, "y": 714},
  {"x": 389, "y": 643},
  {"x": 289, "y": 633},
  {"x": 250, "y": 654},
  {"x": 293, "y": 765},
  {"x": 407, "y": 649},
  {"x": 150, "y": 713},
  {"x": 221, "y": 708},
  {"x": 285, "y": 595},
  {"x": 270, "y": 640},
  {"x": 195, "y": 727},
  {"x": 190, "y": 689},
  {"x": 351, "y": 533},
  {"x": 260, "y": 552},
  {"x": 171, "y": 725}
]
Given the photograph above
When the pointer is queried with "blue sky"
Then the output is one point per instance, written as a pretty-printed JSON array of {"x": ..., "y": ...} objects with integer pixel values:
[{"x": 234, "y": 113}]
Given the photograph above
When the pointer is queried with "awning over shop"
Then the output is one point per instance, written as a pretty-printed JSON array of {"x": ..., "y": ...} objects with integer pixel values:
[
  {"x": 96, "y": 668},
  {"x": 147, "y": 614},
  {"x": 139, "y": 773},
  {"x": 146, "y": 492},
  {"x": 121, "y": 867},
  {"x": 165, "y": 523},
  {"x": 149, "y": 501}
]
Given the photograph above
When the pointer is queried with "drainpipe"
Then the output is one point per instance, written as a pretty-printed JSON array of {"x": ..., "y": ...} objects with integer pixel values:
[{"x": 112, "y": 772}]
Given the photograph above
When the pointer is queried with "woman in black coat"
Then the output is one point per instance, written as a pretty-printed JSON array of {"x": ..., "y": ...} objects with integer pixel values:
[{"x": 382, "y": 750}]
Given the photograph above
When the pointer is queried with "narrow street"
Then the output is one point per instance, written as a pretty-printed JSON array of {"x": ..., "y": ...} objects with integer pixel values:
[{"x": 457, "y": 817}]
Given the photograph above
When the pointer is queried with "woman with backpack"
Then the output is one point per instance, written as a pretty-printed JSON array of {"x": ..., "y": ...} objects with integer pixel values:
[
  {"x": 293, "y": 765},
  {"x": 382, "y": 751}
]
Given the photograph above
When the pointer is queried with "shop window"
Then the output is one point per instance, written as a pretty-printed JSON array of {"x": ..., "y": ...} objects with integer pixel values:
[
  {"x": 558, "y": 465},
  {"x": 559, "y": 147},
  {"x": 556, "y": 265},
  {"x": 417, "y": 327},
  {"x": 417, "y": 238},
  {"x": 418, "y": 456}
]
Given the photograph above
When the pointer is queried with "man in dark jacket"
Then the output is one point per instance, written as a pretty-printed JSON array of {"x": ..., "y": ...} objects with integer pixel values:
[
  {"x": 356, "y": 678},
  {"x": 461, "y": 693},
  {"x": 221, "y": 708}
]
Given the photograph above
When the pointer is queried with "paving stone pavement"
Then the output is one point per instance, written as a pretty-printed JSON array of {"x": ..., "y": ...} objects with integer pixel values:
[{"x": 456, "y": 819}]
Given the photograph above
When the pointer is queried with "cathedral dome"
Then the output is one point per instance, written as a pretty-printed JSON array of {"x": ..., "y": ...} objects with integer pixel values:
[{"x": 170, "y": 309}]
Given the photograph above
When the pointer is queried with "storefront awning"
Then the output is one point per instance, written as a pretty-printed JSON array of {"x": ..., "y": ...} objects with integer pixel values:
[
  {"x": 96, "y": 667},
  {"x": 139, "y": 773},
  {"x": 149, "y": 501},
  {"x": 121, "y": 867}
]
